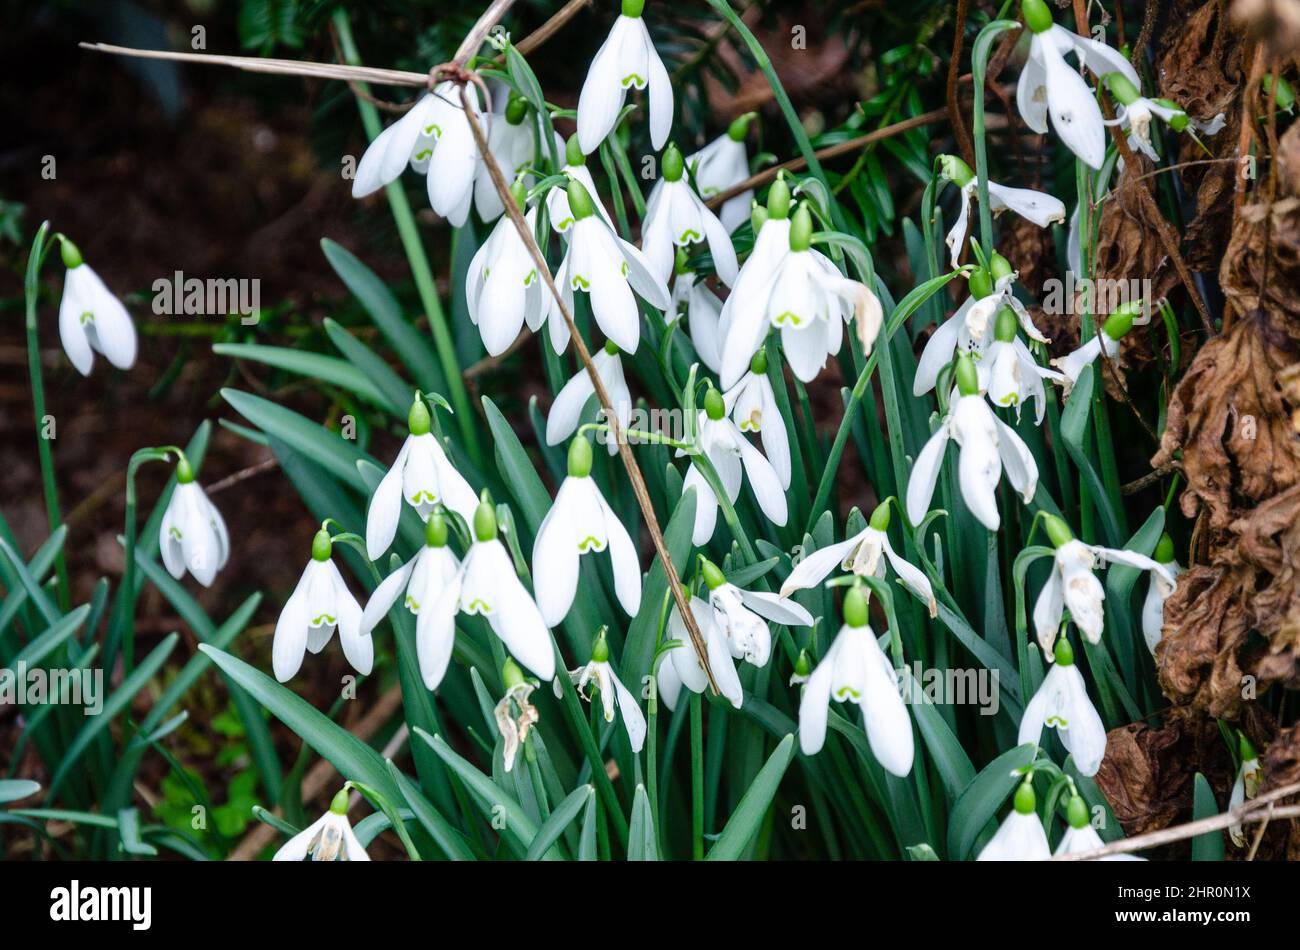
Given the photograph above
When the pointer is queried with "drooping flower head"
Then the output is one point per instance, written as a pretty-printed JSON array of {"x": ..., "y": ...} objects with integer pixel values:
[
  {"x": 557, "y": 199},
  {"x": 1020, "y": 837},
  {"x": 1062, "y": 703},
  {"x": 91, "y": 319},
  {"x": 192, "y": 535},
  {"x": 1042, "y": 209},
  {"x": 566, "y": 412},
  {"x": 328, "y": 838},
  {"x": 320, "y": 603},
  {"x": 1137, "y": 111},
  {"x": 1106, "y": 340},
  {"x": 422, "y": 476},
  {"x": 501, "y": 285},
  {"x": 625, "y": 60},
  {"x": 676, "y": 218},
  {"x": 1158, "y": 591},
  {"x": 1081, "y": 837},
  {"x": 613, "y": 694},
  {"x": 722, "y": 165},
  {"x": 419, "y": 581},
  {"x": 856, "y": 670}
]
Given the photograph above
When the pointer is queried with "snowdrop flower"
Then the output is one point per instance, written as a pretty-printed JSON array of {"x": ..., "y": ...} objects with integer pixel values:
[
  {"x": 1073, "y": 585},
  {"x": 802, "y": 669},
  {"x": 328, "y": 838},
  {"x": 1137, "y": 111},
  {"x": 557, "y": 199},
  {"x": 423, "y": 476},
  {"x": 435, "y": 137},
  {"x": 1249, "y": 777},
  {"x": 986, "y": 443},
  {"x": 514, "y": 715},
  {"x": 319, "y": 603},
  {"x": 485, "y": 584},
  {"x": 1035, "y": 206},
  {"x": 754, "y": 279},
  {"x": 1009, "y": 373},
  {"x": 613, "y": 694},
  {"x": 681, "y": 667},
  {"x": 856, "y": 669},
  {"x": 627, "y": 58},
  {"x": 740, "y": 614},
  {"x": 1153, "y": 608},
  {"x": 693, "y": 299},
  {"x": 1020, "y": 837},
  {"x": 1062, "y": 703},
  {"x": 722, "y": 165},
  {"x": 864, "y": 554},
  {"x": 676, "y": 218},
  {"x": 972, "y": 328},
  {"x": 1081, "y": 837},
  {"x": 751, "y": 403},
  {"x": 421, "y": 579},
  {"x": 579, "y": 523},
  {"x": 192, "y": 536},
  {"x": 1104, "y": 340},
  {"x": 1050, "y": 87},
  {"x": 91, "y": 318},
  {"x": 501, "y": 285},
  {"x": 731, "y": 454},
  {"x": 809, "y": 301},
  {"x": 601, "y": 264},
  {"x": 566, "y": 411},
  {"x": 513, "y": 143}
]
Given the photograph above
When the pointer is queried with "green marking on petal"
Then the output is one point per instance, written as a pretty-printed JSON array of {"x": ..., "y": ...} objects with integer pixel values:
[
  {"x": 423, "y": 154},
  {"x": 1058, "y": 722},
  {"x": 690, "y": 236},
  {"x": 412, "y": 604},
  {"x": 175, "y": 533},
  {"x": 589, "y": 543},
  {"x": 633, "y": 79},
  {"x": 477, "y": 606},
  {"x": 564, "y": 225},
  {"x": 578, "y": 282},
  {"x": 623, "y": 268},
  {"x": 423, "y": 495},
  {"x": 847, "y": 692},
  {"x": 788, "y": 318},
  {"x": 86, "y": 317},
  {"x": 530, "y": 277},
  {"x": 324, "y": 619}
]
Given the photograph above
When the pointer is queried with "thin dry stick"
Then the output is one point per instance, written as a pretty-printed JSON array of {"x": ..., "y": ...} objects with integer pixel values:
[
  {"x": 959, "y": 130},
  {"x": 624, "y": 448},
  {"x": 1259, "y": 809}
]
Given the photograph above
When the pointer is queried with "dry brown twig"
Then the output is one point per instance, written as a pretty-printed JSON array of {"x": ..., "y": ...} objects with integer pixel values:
[{"x": 1256, "y": 810}]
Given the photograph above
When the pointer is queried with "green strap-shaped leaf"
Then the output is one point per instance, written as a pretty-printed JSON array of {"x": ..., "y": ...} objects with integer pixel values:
[{"x": 748, "y": 816}]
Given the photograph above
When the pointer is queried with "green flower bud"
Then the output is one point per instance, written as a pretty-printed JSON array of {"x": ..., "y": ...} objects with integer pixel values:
[
  {"x": 633, "y": 8},
  {"x": 1057, "y": 530},
  {"x": 573, "y": 156},
  {"x": 1064, "y": 652},
  {"x": 801, "y": 229},
  {"x": 673, "y": 164},
  {"x": 600, "y": 649},
  {"x": 519, "y": 191},
  {"x": 1037, "y": 17},
  {"x": 758, "y": 365},
  {"x": 778, "y": 199},
  {"x": 70, "y": 253},
  {"x": 579, "y": 457},
  {"x": 321, "y": 546},
  {"x": 758, "y": 217},
  {"x": 1121, "y": 88},
  {"x": 1026, "y": 800},
  {"x": 611, "y": 348},
  {"x": 856, "y": 613},
  {"x": 511, "y": 674},
  {"x": 739, "y": 127},
  {"x": 1285, "y": 97},
  {"x": 339, "y": 804},
  {"x": 1000, "y": 267},
  {"x": 1004, "y": 329},
  {"x": 968, "y": 381},
  {"x": 516, "y": 109},
  {"x": 485, "y": 522},
  {"x": 1121, "y": 321},
  {"x": 418, "y": 420},
  {"x": 184, "y": 471},
  {"x": 979, "y": 283},
  {"x": 1164, "y": 548},
  {"x": 1077, "y": 812},
  {"x": 803, "y": 665},
  {"x": 713, "y": 576},
  {"x": 435, "y": 531},
  {"x": 955, "y": 170},
  {"x": 579, "y": 201},
  {"x": 880, "y": 517},
  {"x": 714, "y": 407},
  {"x": 1246, "y": 748}
]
